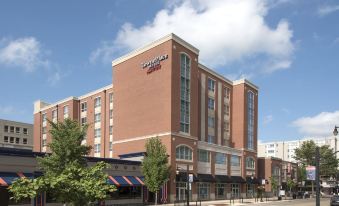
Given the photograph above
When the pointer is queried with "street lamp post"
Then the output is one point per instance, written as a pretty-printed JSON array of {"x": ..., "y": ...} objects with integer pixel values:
[{"x": 187, "y": 184}]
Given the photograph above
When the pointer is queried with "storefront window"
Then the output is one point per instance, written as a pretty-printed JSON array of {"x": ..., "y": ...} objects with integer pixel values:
[
  {"x": 203, "y": 191},
  {"x": 235, "y": 190},
  {"x": 220, "y": 191}
]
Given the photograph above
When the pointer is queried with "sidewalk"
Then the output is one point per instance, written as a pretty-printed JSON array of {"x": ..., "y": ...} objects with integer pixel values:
[{"x": 227, "y": 202}]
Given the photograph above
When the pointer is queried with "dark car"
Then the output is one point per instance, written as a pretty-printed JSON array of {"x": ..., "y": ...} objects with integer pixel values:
[{"x": 335, "y": 200}]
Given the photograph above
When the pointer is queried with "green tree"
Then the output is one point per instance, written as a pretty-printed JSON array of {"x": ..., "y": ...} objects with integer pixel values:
[
  {"x": 155, "y": 166},
  {"x": 65, "y": 172},
  {"x": 274, "y": 184},
  {"x": 290, "y": 184}
]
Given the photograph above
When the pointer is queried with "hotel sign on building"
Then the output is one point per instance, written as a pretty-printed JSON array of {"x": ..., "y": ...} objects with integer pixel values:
[{"x": 154, "y": 64}]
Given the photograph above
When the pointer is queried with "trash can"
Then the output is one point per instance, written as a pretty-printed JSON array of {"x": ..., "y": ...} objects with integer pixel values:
[{"x": 279, "y": 197}]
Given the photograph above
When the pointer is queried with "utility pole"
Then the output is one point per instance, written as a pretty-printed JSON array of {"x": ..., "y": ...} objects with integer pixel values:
[
  {"x": 188, "y": 186},
  {"x": 317, "y": 174}
]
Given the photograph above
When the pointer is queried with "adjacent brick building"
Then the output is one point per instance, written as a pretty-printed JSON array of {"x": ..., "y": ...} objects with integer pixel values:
[{"x": 205, "y": 120}]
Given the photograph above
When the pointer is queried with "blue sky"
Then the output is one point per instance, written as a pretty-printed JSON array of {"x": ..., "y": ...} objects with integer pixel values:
[{"x": 50, "y": 50}]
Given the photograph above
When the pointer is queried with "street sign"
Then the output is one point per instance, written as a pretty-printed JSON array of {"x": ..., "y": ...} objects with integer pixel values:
[
  {"x": 310, "y": 173},
  {"x": 190, "y": 177},
  {"x": 263, "y": 182}
]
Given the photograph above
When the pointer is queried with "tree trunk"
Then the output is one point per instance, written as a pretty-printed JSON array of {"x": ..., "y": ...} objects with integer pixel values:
[{"x": 156, "y": 197}]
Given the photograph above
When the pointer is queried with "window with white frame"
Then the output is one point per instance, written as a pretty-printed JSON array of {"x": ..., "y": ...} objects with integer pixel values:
[
  {"x": 83, "y": 120},
  {"x": 97, "y": 102},
  {"x": 110, "y": 146},
  {"x": 97, "y": 133},
  {"x": 203, "y": 155},
  {"x": 185, "y": 76},
  {"x": 227, "y": 92},
  {"x": 25, "y": 131},
  {"x": 44, "y": 142},
  {"x": 211, "y": 85},
  {"x": 211, "y": 139},
  {"x": 227, "y": 126},
  {"x": 11, "y": 128},
  {"x": 111, "y": 114},
  {"x": 97, "y": 117},
  {"x": 17, "y": 130},
  {"x": 44, "y": 118},
  {"x": 227, "y": 109},
  {"x": 66, "y": 110},
  {"x": 250, "y": 163},
  {"x": 203, "y": 191},
  {"x": 183, "y": 153},
  {"x": 6, "y": 139},
  {"x": 110, "y": 97},
  {"x": 110, "y": 130},
  {"x": 83, "y": 106},
  {"x": 24, "y": 141},
  {"x": 97, "y": 148},
  {"x": 6, "y": 128},
  {"x": 11, "y": 140},
  {"x": 44, "y": 130},
  {"x": 235, "y": 161},
  {"x": 54, "y": 115},
  {"x": 211, "y": 122},
  {"x": 211, "y": 103},
  {"x": 220, "y": 158}
]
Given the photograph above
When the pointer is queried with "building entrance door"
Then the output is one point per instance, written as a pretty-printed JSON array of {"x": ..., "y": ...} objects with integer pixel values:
[{"x": 181, "y": 191}]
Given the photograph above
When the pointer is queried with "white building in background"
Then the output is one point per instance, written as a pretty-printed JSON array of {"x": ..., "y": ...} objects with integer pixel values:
[{"x": 285, "y": 149}]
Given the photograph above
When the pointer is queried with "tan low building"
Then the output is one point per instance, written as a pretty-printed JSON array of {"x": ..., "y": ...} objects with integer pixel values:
[
  {"x": 17, "y": 135},
  {"x": 207, "y": 122}
]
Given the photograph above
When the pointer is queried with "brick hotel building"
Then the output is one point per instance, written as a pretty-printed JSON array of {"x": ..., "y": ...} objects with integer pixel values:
[{"x": 205, "y": 120}]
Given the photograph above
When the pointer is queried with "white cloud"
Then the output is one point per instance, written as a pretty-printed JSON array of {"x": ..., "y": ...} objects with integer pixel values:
[
  {"x": 268, "y": 119},
  {"x": 319, "y": 125},
  {"x": 23, "y": 52},
  {"x": 327, "y": 9},
  {"x": 10, "y": 110},
  {"x": 225, "y": 32}
]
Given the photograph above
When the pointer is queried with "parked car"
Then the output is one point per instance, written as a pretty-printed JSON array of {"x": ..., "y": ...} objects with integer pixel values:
[{"x": 334, "y": 200}]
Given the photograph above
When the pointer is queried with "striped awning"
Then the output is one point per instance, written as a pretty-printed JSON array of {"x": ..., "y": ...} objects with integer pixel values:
[
  {"x": 126, "y": 181},
  {"x": 6, "y": 178}
]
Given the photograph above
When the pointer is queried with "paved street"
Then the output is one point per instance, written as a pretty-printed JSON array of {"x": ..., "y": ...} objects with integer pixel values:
[{"x": 303, "y": 202}]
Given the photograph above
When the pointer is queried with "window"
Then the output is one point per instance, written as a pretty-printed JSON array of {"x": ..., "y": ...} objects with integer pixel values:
[
  {"x": 210, "y": 103},
  {"x": 6, "y": 128},
  {"x": 83, "y": 120},
  {"x": 211, "y": 85},
  {"x": 97, "y": 148},
  {"x": 97, "y": 102},
  {"x": 44, "y": 142},
  {"x": 235, "y": 190},
  {"x": 17, "y": 130},
  {"x": 220, "y": 190},
  {"x": 227, "y": 126},
  {"x": 84, "y": 107},
  {"x": 250, "y": 120},
  {"x": 183, "y": 153},
  {"x": 250, "y": 163},
  {"x": 111, "y": 114},
  {"x": 11, "y": 140},
  {"x": 211, "y": 121},
  {"x": 185, "y": 75},
  {"x": 110, "y": 130},
  {"x": 211, "y": 139},
  {"x": 227, "y": 109},
  {"x": 220, "y": 158},
  {"x": 17, "y": 140},
  {"x": 235, "y": 161},
  {"x": 110, "y": 146},
  {"x": 25, "y": 131},
  {"x": 6, "y": 139},
  {"x": 203, "y": 155},
  {"x": 227, "y": 92},
  {"x": 54, "y": 114},
  {"x": 12, "y": 129},
  {"x": 110, "y": 97},
  {"x": 203, "y": 191},
  {"x": 97, "y": 133},
  {"x": 97, "y": 117},
  {"x": 44, "y": 130},
  {"x": 44, "y": 118},
  {"x": 65, "y": 110},
  {"x": 24, "y": 141}
]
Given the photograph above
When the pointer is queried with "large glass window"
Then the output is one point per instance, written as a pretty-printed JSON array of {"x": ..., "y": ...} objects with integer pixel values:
[
  {"x": 250, "y": 120},
  {"x": 110, "y": 97},
  {"x": 183, "y": 153},
  {"x": 203, "y": 191},
  {"x": 97, "y": 148},
  {"x": 211, "y": 122},
  {"x": 97, "y": 117},
  {"x": 227, "y": 92},
  {"x": 44, "y": 118},
  {"x": 211, "y": 139},
  {"x": 250, "y": 163},
  {"x": 211, "y": 103},
  {"x": 65, "y": 110},
  {"x": 185, "y": 75},
  {"x": 54, "y": 115},
  {"x": 235, "y": 161},
  {"x": 203, "y": 155},
  {"x": 235, "y": 190},
  {"x": 220, "y": 158},
  {"x": 220, "y": 190},
  {"x": 97, "y": 133},
  {"x": 211, "y": 85}
]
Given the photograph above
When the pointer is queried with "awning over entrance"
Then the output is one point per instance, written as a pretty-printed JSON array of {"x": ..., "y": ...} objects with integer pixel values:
[
  {"x": 6, "y": 178},
  {"x": 182, "y": 177},
  {"x": 249, "y": 180},
  {"x": 237, "y": 179},
  {"x": 205, "y": 178},
  {"x": 126, "y": 181},
  {"x": 222, "y": 179}
]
